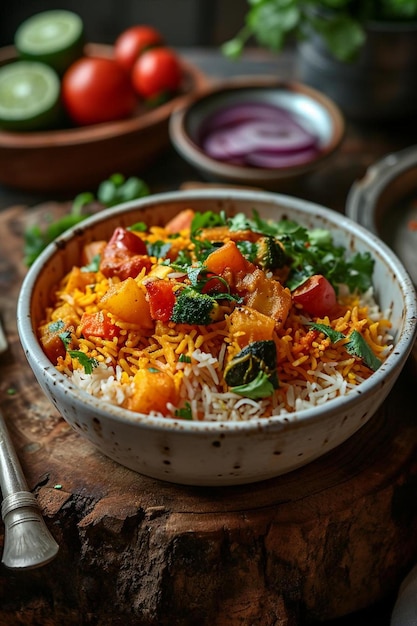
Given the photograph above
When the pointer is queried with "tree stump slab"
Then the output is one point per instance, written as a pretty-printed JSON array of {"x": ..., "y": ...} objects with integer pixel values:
[{"x": 310, "y": 546}]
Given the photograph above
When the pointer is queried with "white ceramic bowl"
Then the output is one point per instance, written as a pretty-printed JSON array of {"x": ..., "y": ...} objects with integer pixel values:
[
  {"x": 312, "y": 109},
  {"x": 221, "y": 453}
]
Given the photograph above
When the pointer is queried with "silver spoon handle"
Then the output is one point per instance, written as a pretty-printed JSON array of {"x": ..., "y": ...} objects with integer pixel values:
[{"x": 27, "y": 540}]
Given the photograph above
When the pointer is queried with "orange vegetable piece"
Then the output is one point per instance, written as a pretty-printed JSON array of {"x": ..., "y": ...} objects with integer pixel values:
[
  {"x": 181, "y": 221},
  {"x": 51, "y": 342},
  {"x": 223, "y": 233},
  {"x": 79, "y": 280},
  {"x": 250, "y": 325},
  {"x": 127, "y": 301},
  {"x": 98, "y": 324},
  {"x": 65, "y": 313},
  {"x": 266, "y": 295},
  {"x": 153, "y": 390},
  {"x": 227, "y": 258}
]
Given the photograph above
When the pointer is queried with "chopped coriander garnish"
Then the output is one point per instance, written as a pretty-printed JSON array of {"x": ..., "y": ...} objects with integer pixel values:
[
  {"x": 93, "y": 266},
  {"x": 87, "y": 362},
  {"x": 159, "y": 249},
  {"x": 206, "y": 220},
  {"x": 331, "y": 333},
  {"x": 139, "y": 227},
  {"x": 356, "y": 344},
  {"x": 65, "y": 338},
  {"x": 55, "y": 326},
  {"x": 185, "y": 413},
  {"x": 259, "y": 387}
]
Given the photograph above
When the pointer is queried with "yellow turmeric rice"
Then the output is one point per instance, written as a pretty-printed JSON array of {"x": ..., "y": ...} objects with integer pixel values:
[{"x": 116, "y": 325}]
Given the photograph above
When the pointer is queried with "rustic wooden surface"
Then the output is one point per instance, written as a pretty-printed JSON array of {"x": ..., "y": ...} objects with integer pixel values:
[{"x": 320, "y": 543}]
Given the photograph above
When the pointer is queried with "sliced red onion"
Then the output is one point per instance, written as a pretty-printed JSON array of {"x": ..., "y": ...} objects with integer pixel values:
[
  {"x": 257, "y": 134},
  {"x": 240, "y": 140},
  {"x": 224, "y": 144},
  {"x": 271, "y": 160},
  {"x": 274, "y": 137},
  {"x": 237, "y": 113}
]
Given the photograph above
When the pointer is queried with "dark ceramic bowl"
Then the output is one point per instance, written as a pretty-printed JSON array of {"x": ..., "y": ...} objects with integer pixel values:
[{"x": 311, "y": 109}]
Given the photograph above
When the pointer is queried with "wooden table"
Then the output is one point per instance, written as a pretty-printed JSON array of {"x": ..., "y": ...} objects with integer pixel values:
[{"x": 328, "y": 543}]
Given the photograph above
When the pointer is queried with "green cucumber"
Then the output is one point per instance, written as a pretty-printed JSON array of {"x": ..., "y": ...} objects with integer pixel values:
[{"x": 53, "y": 37}]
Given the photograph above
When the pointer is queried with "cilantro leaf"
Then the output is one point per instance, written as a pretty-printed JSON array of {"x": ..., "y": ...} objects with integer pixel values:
[
  {"x": 65, "y": 338},
  {"x": 331, "y": 333},
  {"x": 185, "y": 413},
  {"x": 206, "y": 220},
  {"x": 94, "y": 264},
  {"x": 55, "y": 326},
  {"x": 357, "y": 346},
  {"x": 88, "y": 363},
  {"x": 258, "y": 387},
  {"x": 159, "y": 249},
  {"x": 139, "y": 227}
]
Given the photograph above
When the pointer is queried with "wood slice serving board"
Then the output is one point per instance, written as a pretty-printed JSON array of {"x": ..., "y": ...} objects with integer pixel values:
[{"x": 310, "y": 546}]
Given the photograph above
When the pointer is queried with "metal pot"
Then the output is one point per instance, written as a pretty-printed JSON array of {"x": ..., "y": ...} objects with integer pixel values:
[{"x": 383, "y": 201}]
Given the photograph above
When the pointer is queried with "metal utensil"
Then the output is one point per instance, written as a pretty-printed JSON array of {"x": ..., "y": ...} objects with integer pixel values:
[{"x": 27, "y": 540}]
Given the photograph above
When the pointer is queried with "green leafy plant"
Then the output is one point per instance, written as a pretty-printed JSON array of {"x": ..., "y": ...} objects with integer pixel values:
[
  {"x": 114, "y": 190},
  {"x": 340, "y": 23}
]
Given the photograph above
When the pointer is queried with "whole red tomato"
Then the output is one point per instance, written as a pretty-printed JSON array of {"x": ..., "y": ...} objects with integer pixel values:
[
  {"x": 132, "y": 42},
  {"x": 157, "y": 72},
  {"x": 97, "y": 90}
]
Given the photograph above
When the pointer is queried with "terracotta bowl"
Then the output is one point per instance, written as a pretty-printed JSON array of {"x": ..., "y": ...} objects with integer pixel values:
[
  {"x": 225, "y": 452},
  {"x": 313, "y": 110},
  {"x": 74, "y": 159}
]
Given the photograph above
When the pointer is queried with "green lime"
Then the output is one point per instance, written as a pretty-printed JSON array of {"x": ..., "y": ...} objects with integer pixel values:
[
  {"x": 29, "y": 96},
  {"x": 52, "y": 37}
]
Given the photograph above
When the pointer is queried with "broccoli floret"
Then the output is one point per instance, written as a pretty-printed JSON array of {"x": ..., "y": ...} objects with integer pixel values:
[{"x": 193, "y": 307}]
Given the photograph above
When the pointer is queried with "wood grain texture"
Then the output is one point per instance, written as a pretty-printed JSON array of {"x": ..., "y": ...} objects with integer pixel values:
[{"x": 316, "y": 544}]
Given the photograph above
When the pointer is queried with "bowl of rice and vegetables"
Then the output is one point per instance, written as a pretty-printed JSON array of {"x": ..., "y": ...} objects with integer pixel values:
[{"x": 217, "y": 337}]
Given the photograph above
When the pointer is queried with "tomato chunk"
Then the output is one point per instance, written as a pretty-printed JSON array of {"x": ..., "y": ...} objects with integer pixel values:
[
  {"x": 316, "y": 296},
  {"x": 123, "y": 239},
  {"x": 98, "y": 325},
  {"x": 161, "y": 299},
  {"x": 125, "y": 255}
]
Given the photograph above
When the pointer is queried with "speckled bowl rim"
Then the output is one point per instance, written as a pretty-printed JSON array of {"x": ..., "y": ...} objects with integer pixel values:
[{"x": 295, "y": 420}]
